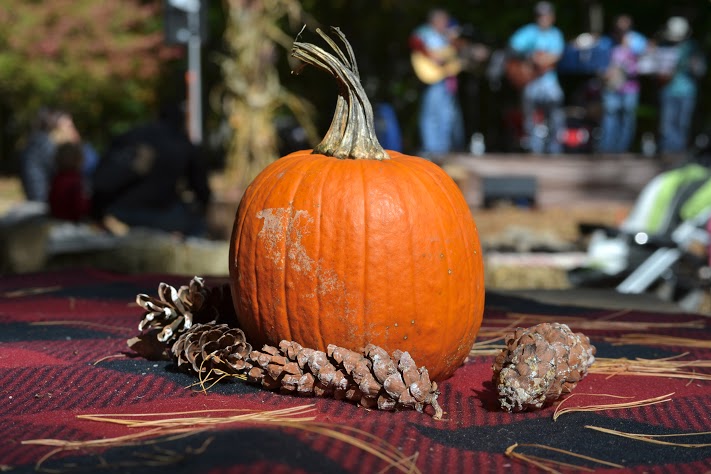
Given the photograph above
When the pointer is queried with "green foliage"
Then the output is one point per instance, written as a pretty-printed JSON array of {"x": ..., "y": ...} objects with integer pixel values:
[{"x": 100, "y": 60}]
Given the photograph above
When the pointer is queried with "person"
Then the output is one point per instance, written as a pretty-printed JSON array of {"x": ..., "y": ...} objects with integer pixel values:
[
  {"x": 37, "y": 157},
  {"x": 67, "y": 193},
  {"x": 540, "y": 45},
  {"x": 52, "y": 128},
  {"x": 137, "y": 182},
  {"x": 678, "y": 94},
  {"x": 440, "y": 120},
  {"x": 620, "y": 96}
]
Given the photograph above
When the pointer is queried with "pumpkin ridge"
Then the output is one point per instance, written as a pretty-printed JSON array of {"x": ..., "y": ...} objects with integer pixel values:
[
  {"x": 328, "y": 168},
  {"x": 365, "y": 255},
  {"x": 442, "y": 234},
  {"x": 239, "y": 224},
  {"x": 239, "y": 227},
  {"x": 439, "y": 180},
  {"x": 304, "y": 167},
  {"x": 411, "y": 249}
]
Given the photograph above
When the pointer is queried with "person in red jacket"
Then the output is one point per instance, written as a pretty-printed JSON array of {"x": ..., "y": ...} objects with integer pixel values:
[{"x": 67, "y": 195}]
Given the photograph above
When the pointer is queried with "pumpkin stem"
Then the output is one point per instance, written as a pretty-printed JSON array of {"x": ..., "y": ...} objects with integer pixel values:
[{"x": 352, "y": 131}]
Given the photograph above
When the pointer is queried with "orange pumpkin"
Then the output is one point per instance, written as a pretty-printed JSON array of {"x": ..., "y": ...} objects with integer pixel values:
[{"x": 351, "y": 245}]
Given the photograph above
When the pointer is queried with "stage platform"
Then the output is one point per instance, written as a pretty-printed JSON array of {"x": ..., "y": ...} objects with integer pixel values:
[{"x": 561, "y": 180}]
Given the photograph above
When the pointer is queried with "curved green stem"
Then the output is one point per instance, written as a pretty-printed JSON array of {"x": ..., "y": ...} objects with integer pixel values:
[{"x": 352, "y": 131}]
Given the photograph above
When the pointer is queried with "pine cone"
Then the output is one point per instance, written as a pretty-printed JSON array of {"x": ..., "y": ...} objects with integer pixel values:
[
  {"x": 372, "y": 378},
  {"x": 209, "y": 347},
  {"x": 175, "y": 311},
  {"x": 540, "y": 364}
]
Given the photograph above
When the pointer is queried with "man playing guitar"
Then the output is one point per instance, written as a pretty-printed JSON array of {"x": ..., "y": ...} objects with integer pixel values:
[
  {"x": 441, "y": 127},
  {"x": 536, "y": 49}
]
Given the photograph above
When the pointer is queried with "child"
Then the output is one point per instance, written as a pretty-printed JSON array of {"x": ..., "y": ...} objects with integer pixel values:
[{"x": 67, "y": 197}]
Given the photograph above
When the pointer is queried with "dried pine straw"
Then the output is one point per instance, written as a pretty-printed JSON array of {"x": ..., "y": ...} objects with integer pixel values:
[
  {"x": 487, "y": 347},
  {"x": 31, "y": 291},
  {"x": 168, "y": 426},
  {"x": 604, "y": 323},
  {"x": 549, "y": 465},
  {"x": 611, "y": 406},
  {"x": 665, "y": 367},
  {"x": 212, "y": 379},
  {"x": 652, "y": 438},
  {"x": 112, "y": 356},
  {"x": 659, "y": 340},
  {"x": 81, "y": 323}
]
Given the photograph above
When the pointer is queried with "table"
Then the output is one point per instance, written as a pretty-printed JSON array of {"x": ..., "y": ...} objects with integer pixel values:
[{"x": 57, "y": 329}]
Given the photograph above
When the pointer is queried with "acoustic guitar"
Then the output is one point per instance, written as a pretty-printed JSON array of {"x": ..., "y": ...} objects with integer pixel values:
[
  {"x": 521, "y": 71},
  {"x": 446, "y": 62}
]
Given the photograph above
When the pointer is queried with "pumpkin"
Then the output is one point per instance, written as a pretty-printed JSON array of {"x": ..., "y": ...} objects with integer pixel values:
[{"x": 349, "y": 244}]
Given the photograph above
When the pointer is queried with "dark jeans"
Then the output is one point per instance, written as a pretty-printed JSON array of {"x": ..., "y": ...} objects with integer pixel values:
[
  {"x": 619, "y": 121},
  {"x": 545, "y": 95},
  {"x": 675, "y": 122},
  {"x": 441, "y": 129}
]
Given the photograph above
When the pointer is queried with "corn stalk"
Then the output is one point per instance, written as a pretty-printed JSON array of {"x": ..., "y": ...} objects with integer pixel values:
[{"x": 252, "y": 93}]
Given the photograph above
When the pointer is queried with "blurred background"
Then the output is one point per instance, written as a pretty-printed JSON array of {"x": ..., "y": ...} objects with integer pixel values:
[{"x": 113, "y": 66}]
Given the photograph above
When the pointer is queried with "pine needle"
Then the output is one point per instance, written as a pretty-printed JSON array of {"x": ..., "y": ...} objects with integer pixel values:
[
  {"x": 549, "y": 465},
  {"x": 165, "y": 426},
  {"x": 486, "y": 348},
  {"x": 669, "y": 367},
  {"x": 611, "y": 406},
  {"x": 652, "y": 438},
  {"x": 605, "y": 323},
  {"x": 659, "y": 340},
  {"x": 31, "y": 291},
  {"x": 113, "y": 356},
  {"x": 81, "y": 323}
]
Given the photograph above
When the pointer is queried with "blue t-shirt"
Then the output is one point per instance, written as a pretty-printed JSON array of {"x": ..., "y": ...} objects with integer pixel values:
[
  {"x": 530, "y": 39},
  {"x": 431, "y": 38}
]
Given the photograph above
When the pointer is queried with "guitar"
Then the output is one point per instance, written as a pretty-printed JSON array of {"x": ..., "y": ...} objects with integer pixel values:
[
  {"x": 520, "y": 72},
  {"x": 446, "y": 62}
]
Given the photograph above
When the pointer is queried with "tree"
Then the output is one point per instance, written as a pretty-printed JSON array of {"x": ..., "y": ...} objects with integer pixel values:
[
  {"x": 253, "y": 95},
  {"x": 99, "y": 60}
]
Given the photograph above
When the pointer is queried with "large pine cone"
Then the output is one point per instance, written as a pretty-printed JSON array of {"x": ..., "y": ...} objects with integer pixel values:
[
  {"x": 539, "y": 364},
  {"x": 372, "y": 378},
  {"x": 176, "y": 310}
]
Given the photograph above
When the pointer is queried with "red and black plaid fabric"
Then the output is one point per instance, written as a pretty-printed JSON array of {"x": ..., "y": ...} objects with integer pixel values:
[{"x": 49, "y": 375}]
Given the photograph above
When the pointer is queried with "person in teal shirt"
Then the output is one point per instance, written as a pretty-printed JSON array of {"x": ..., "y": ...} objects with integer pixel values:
[
  {"x": 678, "y": 96},
  {"x": 542, "y": 44}
]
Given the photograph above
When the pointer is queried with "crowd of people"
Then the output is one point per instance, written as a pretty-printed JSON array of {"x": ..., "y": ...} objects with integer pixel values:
[
  {"x": 141, "y": 180},
  {"x": 533, "y": 52}
]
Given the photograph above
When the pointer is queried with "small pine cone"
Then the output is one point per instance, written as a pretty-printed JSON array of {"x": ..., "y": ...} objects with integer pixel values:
[
  {"x": 176, "y": 310},
  {"x": 539, "y": 364},
  {"x": 209, "y": 347}
]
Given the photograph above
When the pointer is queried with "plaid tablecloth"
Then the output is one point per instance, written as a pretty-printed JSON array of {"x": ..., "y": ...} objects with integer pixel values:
[{"x": 56, "y": 330}]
